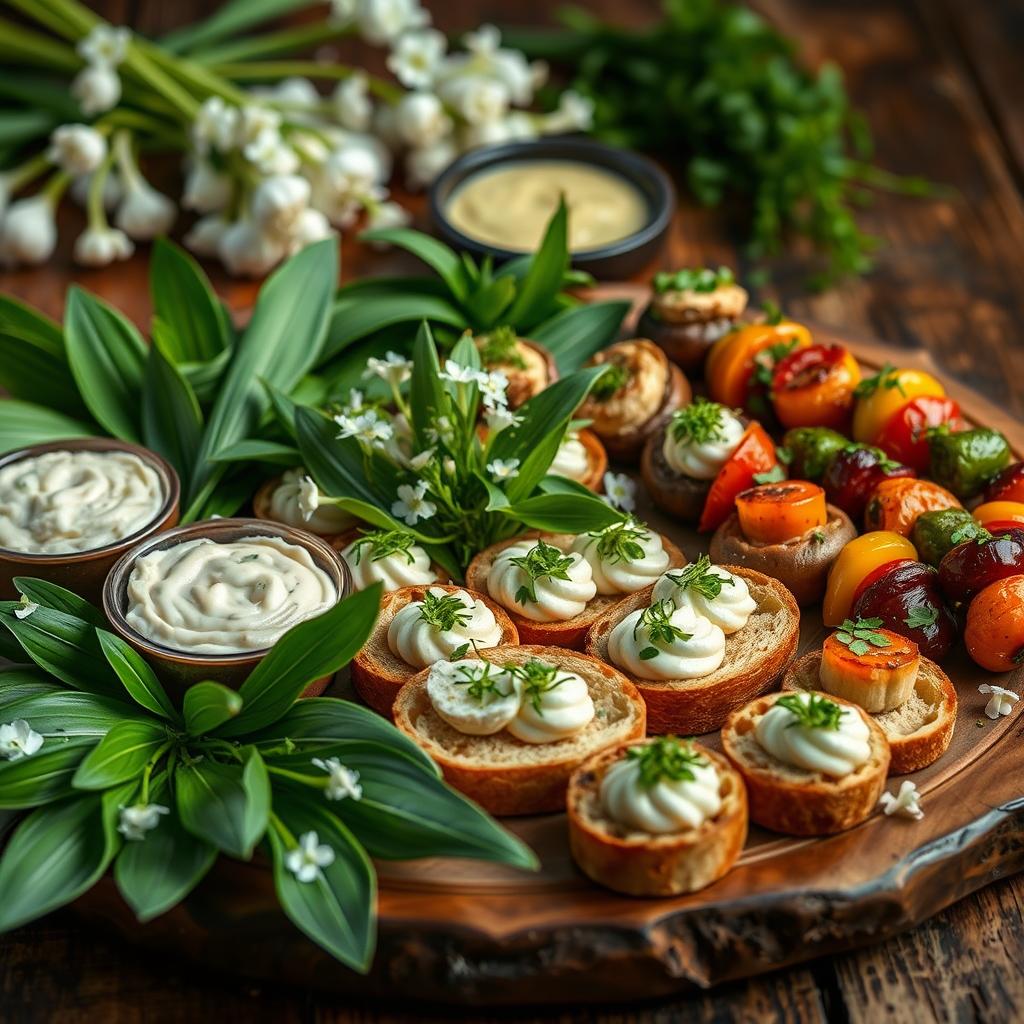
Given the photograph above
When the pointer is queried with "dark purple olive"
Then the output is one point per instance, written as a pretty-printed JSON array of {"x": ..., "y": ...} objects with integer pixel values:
[
  {"x": 971, "y": 566},
  {"x": 854, "y": 473}
]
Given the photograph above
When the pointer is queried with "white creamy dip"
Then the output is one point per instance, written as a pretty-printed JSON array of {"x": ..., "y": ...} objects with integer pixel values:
[
  {"x": 474, "y": 697},
  {"x": 730, "y": 609},
  {"x": 557, "y": 598},
  {"x": 571, "y": 459},
  {"x": 702, "y": 459},
  {"x": 395, "y": 569},
  {"x": 285, "y": 507},
  {"x": 614, "y": 570},
  {"x": 695, "y": 648},
  {"x": 206, "y": 597},
  {"x": 553, "y": 711},
  {"x": 417, "y": 635},
  {"x": 68, "y": 501}
]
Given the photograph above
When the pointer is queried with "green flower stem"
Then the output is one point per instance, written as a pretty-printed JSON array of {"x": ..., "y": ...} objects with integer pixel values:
[
  {"x": 94, "y": 203},
  {"x": 260, "y": 71},
  {"x": 195, "y": 76},
  {"x": 283, "y": 831},
  {"x": 122, "y": 149},
  {"x": 136, "y": 120},
  {"x": 22, "y": 45},
  {"x": 148, "y": 770},
  {"x": 143, "y": 68},
  {"x": 273, "y": 44},
  {"x": 55, "y": 187},
  {"x": 43, "y": 13},
  {"x": 306, "y": 780},
  {"x": 19, "y": 177},
  {"x": 72, "y": 19}
]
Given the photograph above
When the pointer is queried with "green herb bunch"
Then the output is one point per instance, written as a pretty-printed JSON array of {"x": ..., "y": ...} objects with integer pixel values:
[
  {"x": 657, "y": 621},
  {"x": 101, "y": 771},
  {"x": 537, "y": 678},
  {"x": 814, "y": 713},
  {"x": 698, "y": 422},
  {"x": 667, "y": 757},
  {"x": 622, "y": 542},
  {"x": 542, "y": 561},
  {"x": 700, "y": 577},
  {"x": 860, "y": 635},
  {"x": 693, "y": 279}
]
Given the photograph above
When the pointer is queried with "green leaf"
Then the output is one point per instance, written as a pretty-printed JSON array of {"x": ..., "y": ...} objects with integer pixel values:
[
  {"x": 306, "y": 653},
  {"x": 45, "y": 776},
  {"x": 574, "y": 335},
  {"x": 543, "y": 280},
  {"x": 227, "y": 805},
  {"x": 23, "y": 424},
  {"x": 336, "y": 910},
  {"x": 204, "y": 378},
  {"x": 208, "y": 705},
  {"x": 226, "y": 22},
  {"x": 378, "y": 517},
  {"x": 172, "y": 424},
  {"x": 255, "y": 450},
  {"x": 564, "y": 513},
  {"x": 224, "y": 499},
  {"x": 55, "y": 855},
  {"x": 107, "y": 358},
  {"x": 488, "y": 306},
  {"x": 121, "y": 755},
  {"x": 442, "y": 260},
  {"x": 184, "y": 302},
  {"x": 136, "y": 676},
  {"x": 49, "y": 595},
  {"x": 426, "y": 390},
  {"x": 63, "y": 714},
  {"x": 18, "y": 683}
]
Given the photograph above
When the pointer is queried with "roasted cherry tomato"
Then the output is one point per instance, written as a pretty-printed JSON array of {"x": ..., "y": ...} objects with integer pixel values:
[
  {"x": 860, "y": 557},
  {"x": 937, "y": 532},
  {"x": 909, "y": 601},
  {"x": 853, "y": 475},
  {"x": 773, "y": 513},
  {"x": 813, "y": 387},
  {"x": 741, "y": 357},
  {"x": 1008, "y": 485},
  {"x": 898, "y": 501},
  {"x": 975, "y": 564},
  {"x": 876, "y": 574},
  {"x": 999, "y": 515},
  {"x": 904, "y": 436},
  {"x": 994, "y": 633},
  {"x": 967, "y": 461},
  {"x": 880, "y": 397},
  {"x": 754, "y": 454}
]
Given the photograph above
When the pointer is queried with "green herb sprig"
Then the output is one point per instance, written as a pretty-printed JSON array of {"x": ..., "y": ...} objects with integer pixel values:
[
  {"x": 657, "y": 621},
  {"x": 860, "y": 635},
  {"x": 444, "y": 611},
  {"x": 537, "y": 678},
  {"x": 621, "y": 542},
  {"x": 498, "y": 347},
  {"x": 698, "y": 422},
  {"x": 700, "y": 577},
  {"x": 542, "y": 561},
  {"x": 482, "y": 681},
  {"x": 887, "y": 379},
  {"x": 382, "y": 544},
  {"x": 693, "y": 279},
  {"x": 921, "y": 617},
  {"x": 667, "y": 757},
  {"x": 814, "y": 713},
  {"x": 614, "y": 378}
]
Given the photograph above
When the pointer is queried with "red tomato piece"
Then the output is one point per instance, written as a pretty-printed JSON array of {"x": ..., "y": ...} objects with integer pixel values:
[
  {"x": 904, "y": 436},
  {"x": 754, "y": 454}
]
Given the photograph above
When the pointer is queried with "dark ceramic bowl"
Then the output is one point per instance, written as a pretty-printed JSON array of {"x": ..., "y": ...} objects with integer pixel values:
[
  {"x": 84, "y": 571},
  {"x": 624, "y": 258},
  {"x": 178, "y": 670}
]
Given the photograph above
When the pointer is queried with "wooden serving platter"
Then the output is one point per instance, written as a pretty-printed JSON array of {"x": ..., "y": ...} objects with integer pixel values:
[{"x": 456, "y": 931}]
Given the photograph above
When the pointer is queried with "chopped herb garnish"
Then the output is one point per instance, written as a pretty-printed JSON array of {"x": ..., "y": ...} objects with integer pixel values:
[
  {"x": 771, "y": 312},
  {"x": 814, "y": 713},
  {"x": 699, "y": 576},
  {"x": 481, "y": 681},
  {"x": 249, "y": 558},
  {"x": 542, "y": 560},
  {"x": 768, "y": 358},
  {"x": 887, "y": 378},
  {"x": 772, "y": 476},
  {"x": 537, "y": 678},
  {"x": 921, "y": 617},
  {"x": 783, "y": 454},
  {"x": 667, "y": 757},
  {"x": 695, "y": 279},
  {"x": 444, "y": 611},
  {"x": 459, "y": 652},
  {"x": 610, "y": 381},
  {"x": 698, "y": 422},
  {"x": 621, "y": 542},
  {"x": 970, "y": 531},
  {"x": 861, "y": 635},
  {"x": 382, "y": 543},
  {"x": 818, "y": 537},
  {"x": 500, "y": 347},
  {"x": 657, "y": 620}
]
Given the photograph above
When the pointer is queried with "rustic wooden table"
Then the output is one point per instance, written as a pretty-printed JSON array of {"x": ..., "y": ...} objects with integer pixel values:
[{"x": 940, "y": 82}]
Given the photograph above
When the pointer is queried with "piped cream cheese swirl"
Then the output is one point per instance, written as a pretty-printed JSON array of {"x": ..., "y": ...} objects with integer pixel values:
[
  {"x": 669, "y": 805},
  {"x": 836, "y": 752},
  {"x": 730, "y": 609},
  {"x": 663, "y": 642},
  {"x": 68, "y": 501},
  {"x": 410, "y": 567},
  {"x": 207, "y": 597},
  {"x": 285, "y": 507},
  {"x": 614, "y": 572},
  {"x": 702, "y": 459},
  {"x": 554, "y": 710},
  {"x": 558, "y": 596},
  {"x": 417, "y": 635},
  {"x": 571, "y": 459}
]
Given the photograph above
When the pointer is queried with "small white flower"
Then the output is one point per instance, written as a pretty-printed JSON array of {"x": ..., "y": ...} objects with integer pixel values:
[
  {"x": 393, "y": 368},
  {"x": 256, "y": 120},
  {"x": 517, "y": 127},
  {"x": 484, "y": 41},
  {"x": 247, "y": 251},
  {"x": 204, "y": 236},
  {"x": 343, "y": 782},
  {"x": 476, "y": 98},
  {"x": 104, "y": 45},
  {"x": 18, "y": 739},
  {"x": 458, "y": 374},
  {"x": 206, "y": 189},
  {"x": 215, "y": 126},
  {"x": 448, "y": 465},
  {"x": 310, "y": 226},
  {"x": 420, "y": 119},
  {"x": 28, "y": 233},
  {"x": 306, "y": 860},
  {"x": 575, "y": 113},
  {"x": 620, "y": 491},
  {"x": 412, "y": 505},
  {"x": 352, "y": 104},
  {"x": 295, "y": 92},
  {"x": 416, "y": 56},
  {"x": 139, "y": 819},
  {"x": 97, "y": 89},
  {"x": 387, "y": 215},
  {"x": 381, "y": 21},
  {"x": 424, "y": 164},
  {"x": 77, "y": 148},
  {"x": 1001, "y": 702},
  {"x": 493, "y": 389},
  {"x": 100, "y": 246},
  {"x": 501, "y": 418},
  {"x": 278, "y": 202},
  {"x": 348, "y": 178},
  {"x": 309, "y": 497},
  {"x": 270, "y": 154},
  {"x": 356, "y": 400},
  {"x": 503, "y": 469},
  {"x": 144, "y": 213},
  {"x": 368, "y": 427},
  {"x": 25, "y": 608},
  {"x": 907, "y": 802},
  {"x": 424, "y": 458}
]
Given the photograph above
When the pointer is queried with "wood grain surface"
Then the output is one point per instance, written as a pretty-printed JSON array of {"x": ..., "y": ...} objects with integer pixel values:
[{"x": 941, "y": 82}]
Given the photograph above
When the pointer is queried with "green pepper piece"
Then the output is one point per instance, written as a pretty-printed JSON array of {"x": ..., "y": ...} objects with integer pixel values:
[
  {"x": 934, "y": 532},
  {"x": 965, "y": 462},
  {"x": 812, "y": 449}
]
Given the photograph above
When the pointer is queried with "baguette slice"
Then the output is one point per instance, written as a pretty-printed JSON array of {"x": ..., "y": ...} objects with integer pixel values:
[
  {"x": 796, "y": 801},
  {"x": 640, "y": 864},
  {"x": 505, "y": 775},
  {"x": 378, "y": 674},
  {"x": 567, "y": 632},
  {"x": 919, "y": 731},
  {"x": 755, "y": 657}
]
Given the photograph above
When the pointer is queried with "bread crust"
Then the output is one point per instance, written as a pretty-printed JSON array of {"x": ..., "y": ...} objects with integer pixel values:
[
  {"x": 696, "y": 706},
  {"x": 377, "y": 674},
  {"x": 910, "y": 751},
  {"x": 261, "y": 507},
  {"x": 534, "y": 787},
  {"x": 597, "y": 461},
  {"x": 816, "y": 805},
  {"x": 638, "y": 864},
  {"x": 681, "y": 496},
  {"x": 568, "y": 632}
]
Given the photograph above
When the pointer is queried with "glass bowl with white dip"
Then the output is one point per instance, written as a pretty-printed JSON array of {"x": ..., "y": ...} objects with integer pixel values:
[
  {"x": 210, "y": 599},
  {"x": 70, "y": 509}
]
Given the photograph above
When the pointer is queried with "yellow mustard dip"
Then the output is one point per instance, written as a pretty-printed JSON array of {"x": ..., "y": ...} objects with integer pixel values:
[{"x": 510, "y": 206}]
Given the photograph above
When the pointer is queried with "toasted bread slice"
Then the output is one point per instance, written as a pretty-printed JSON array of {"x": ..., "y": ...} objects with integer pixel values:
[
  {"x": 597, "y": 461},
  {"x": 796, "y": 801},
  {"x": 567, "y": 632},
  {"x": 378, "y": 674},
  {"x": 640, "y": 864},
  {"x": 505, "y": 775},
  {"x": 919, "y": 731},
  {"x": 755, "y": 658}
]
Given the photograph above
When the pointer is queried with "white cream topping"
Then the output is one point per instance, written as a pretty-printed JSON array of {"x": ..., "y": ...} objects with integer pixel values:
[
  {"x": 701, "y": 460},
  {"x": 571, "y": 459},
  {"x": 683, "y": 645},
  {"x": 614, "y": 572},
  {"x": 730, "y": 609},
  {"x": 669, "y": 805},
  {"x": 553, "y": 711},
  {"x": 408, "y": 568},
  {"x": 474, "y": 697},
  {"x": 836, "y": 752},
  {"x": 67, "y": 501},
  {"x": 207, "y": 597},
  {"x": 285, "y": 507},
  {"x": 419, "y": 641},
  {"x": 557, "y": 599}
]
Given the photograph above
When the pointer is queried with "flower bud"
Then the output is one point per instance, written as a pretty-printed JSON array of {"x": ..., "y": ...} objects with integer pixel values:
[
  {"x": 97, "y": 88},
  {"x": 206, "y": 189},
  {"x": 77, "y": 148},
  {"x": 28, "y": 233},
  {"x": 247, "y": 251},
  {"x": 476, "y": 99},
  {"x": 96, "y": 247},
  {"x": 204, "y": 236},
  {"x": 279, "y": 201},
  {"x": 421, "y": 120},
  {"x": 145, "y": 213},
  {"x": 310, "y": 226},
  {"x": 422, "y": 166}
]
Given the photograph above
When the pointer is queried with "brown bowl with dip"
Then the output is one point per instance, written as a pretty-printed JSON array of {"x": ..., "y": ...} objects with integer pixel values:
[
  {"x": 70, "y": 509},
  {"x": 209, "y": 600},
  {"x": 497, "y": 200}
]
